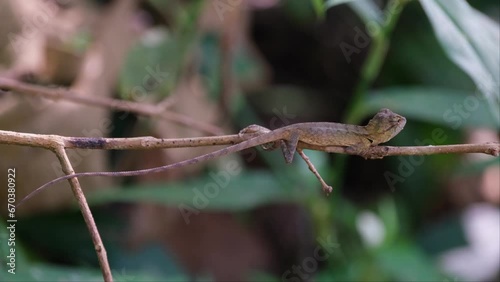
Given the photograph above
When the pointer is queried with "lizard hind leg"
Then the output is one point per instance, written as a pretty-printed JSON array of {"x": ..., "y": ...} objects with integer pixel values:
[
  {"x": 288, "y": 147},
  {"x": 255, "y": 130}
]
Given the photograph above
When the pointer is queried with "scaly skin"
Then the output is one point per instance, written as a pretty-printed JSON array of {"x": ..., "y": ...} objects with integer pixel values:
[{"x": 381, "y": 128}]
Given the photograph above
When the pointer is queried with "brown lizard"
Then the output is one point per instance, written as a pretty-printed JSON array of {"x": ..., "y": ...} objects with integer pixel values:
[{"x": 381, "y": 128}]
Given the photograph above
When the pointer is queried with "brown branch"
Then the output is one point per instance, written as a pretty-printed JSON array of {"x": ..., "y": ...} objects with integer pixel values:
[
  {"x": 378, "y": 152},
  {"x": 56, "y": 144},
  {"x": 491, "y": 148},
  {"x": 9, "y": 137},
  {"x": 142, "y": 143},
  {"x": 127, "y": 106},
  {"x": 136, "y": 143},
  {"x": 59, "y": 143},
  {"x": 148, "y": 142},
  {"x": 86, "y": 213}
]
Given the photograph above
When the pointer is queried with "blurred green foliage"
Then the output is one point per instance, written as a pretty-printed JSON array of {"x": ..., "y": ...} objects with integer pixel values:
[{"x": 422, "y": 76}]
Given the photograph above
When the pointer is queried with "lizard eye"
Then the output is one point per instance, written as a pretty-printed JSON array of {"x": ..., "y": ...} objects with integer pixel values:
[{"x": 396, "y": 118}]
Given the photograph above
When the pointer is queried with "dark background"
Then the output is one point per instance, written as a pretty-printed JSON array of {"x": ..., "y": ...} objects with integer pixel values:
[{"x": 235, "y": 63}]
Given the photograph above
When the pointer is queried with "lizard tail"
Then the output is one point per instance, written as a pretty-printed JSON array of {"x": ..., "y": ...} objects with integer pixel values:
[{"x": 124, "y": 173}]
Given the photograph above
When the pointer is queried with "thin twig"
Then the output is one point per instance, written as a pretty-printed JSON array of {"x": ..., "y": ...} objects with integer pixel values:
[
  {"x": 59, "y": 143},
  {"x": 378, "y": 152},
  {"x": 87, "y": 214},
  {"x": 135, "y": 143},
  {"x": 127, "y": 106},
  {"x": 56, "y": 144},
  {"x": 148, "y": 142}
]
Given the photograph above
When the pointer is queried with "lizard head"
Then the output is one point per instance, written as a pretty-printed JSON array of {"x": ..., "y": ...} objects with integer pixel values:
[{"x": 384, "y": 126}]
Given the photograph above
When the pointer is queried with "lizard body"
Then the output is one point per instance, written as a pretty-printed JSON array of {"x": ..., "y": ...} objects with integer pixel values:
[{"x": 381, "y": 128}]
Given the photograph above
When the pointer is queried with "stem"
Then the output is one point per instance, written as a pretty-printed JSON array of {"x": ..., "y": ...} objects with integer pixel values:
[
  {"x": 86, "y": 213},
  {"x": 374, "y": 61},
  {"x": 127, "y": 106},
  {"x": 369, "y": 72}
]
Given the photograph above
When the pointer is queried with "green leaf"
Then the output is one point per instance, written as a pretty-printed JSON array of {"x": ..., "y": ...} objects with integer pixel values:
[
  {"x": 46, "y": 272},
  {"x": 405, "y": 262},
  {"x": 319, "y": 8},
  {"x": 453, "y": 108},
  {"x": 389, "y": 215},
  {"x": 150, "y": 55},
  {"x": 472, "y": 41},
  {"x": 248, "y": 69},
  {"x": 442, "y": 235},
  {"x": 331, "y": 3},
  {"x": 214, "y": 192},
  {"x": 153, "y": 65}
]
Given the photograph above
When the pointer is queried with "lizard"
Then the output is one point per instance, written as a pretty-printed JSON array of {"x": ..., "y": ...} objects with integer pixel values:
[{"x": 380, "y": 129}]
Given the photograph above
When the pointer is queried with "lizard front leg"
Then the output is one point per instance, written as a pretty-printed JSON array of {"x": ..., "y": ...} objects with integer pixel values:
[
  {"x": 360, "y": 149},
  {"x": 363, "y": 149}
]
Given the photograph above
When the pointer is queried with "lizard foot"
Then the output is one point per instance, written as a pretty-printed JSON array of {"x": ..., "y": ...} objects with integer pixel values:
[
  {"x": 327, "y": 189},
  {"x": 357, "y": 150},
  {"x": 376, "y": 152},
  {"x": 255, "y": 130}
]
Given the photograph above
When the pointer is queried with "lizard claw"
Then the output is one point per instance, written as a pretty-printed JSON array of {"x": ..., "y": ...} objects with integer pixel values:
[
  {"x": 377, "y": 152},
  {"x": 255, "y": 130},
  {"x": 327, "y": 189}
]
